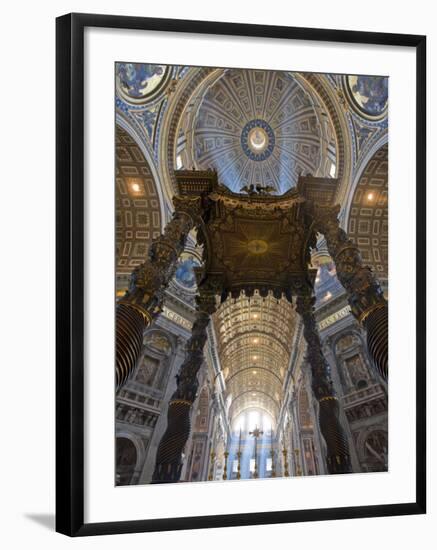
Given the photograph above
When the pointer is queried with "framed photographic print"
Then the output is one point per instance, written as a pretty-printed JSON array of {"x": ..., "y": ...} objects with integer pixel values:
[{"x": 237, "y": 205}]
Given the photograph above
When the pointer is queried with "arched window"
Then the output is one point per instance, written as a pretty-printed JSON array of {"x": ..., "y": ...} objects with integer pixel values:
[{"x": 253, "y": 418}]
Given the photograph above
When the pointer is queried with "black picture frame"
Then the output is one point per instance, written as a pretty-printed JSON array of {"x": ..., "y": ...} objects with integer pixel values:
[{"x": 70, "y": 273}]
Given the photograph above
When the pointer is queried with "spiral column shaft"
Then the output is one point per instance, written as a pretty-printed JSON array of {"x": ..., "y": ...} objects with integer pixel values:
[
  {"x": 337, "y": 448},
  {"x": 143, "y": 300},
  {"x": 365, "y": 294},
  {"x": 169, "y": 455}
]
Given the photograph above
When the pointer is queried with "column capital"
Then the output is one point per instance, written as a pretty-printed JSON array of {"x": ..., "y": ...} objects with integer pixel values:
[{"x": 193, "y": 207}]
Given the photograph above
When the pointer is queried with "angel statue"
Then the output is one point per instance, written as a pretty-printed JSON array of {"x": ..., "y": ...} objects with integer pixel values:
[
  {"x": 257, "y": 190},
  {"x": 264, "y": 189},
  {"x": 249, "y": 189}
]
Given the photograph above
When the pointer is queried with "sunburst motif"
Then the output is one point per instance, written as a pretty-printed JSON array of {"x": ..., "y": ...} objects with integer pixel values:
[{"x": 256, "y": 244}]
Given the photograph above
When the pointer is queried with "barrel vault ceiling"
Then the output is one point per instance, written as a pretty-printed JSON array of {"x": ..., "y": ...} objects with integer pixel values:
[{"x": 254, "y": 340}]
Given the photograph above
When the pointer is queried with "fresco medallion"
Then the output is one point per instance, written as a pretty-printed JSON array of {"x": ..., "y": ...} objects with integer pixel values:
[
  {"x": 368, "y": 95},
  {"x": 141, "y": 82}
]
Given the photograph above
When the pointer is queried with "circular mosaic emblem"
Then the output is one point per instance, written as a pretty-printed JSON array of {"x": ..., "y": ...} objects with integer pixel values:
[
  {"x": 257, "y": 246},
  {"x": 368, "y": 95},
  {"x": 257, "y": 139},
  {"x": 140, "y": 82}
]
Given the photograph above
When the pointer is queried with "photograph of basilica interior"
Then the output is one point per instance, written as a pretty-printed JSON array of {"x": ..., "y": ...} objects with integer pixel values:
[{"x": 251, "y": 274}]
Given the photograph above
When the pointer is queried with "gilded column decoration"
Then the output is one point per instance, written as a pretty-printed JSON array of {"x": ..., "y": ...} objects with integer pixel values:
[
  {"x": 297, "y": 462},
  {"x": 239, "y": 453},
  {"x": 211, "y": 469},
  {"x": 338, "y": 456},
  {"x": 272, "y": 456},
  {"x": 366, "y": 297},
  {"x": 225, "y": 468},
  {"x": 148, "y": 282},
  {"x": 256, "y": 434},
  {"x": 285, "y": 454},
  {"x": 169, "y": 455}
]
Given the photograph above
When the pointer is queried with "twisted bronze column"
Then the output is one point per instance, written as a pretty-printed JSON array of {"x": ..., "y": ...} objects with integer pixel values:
[
  {"x": 169, "y": 455},
  {"x": 365, "y": 295},
  {"x": 142, "y": 301},
  {"x": 337, "y": 448}
]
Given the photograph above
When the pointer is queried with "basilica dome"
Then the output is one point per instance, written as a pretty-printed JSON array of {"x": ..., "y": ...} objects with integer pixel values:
[{"x": 258, "y": 127}]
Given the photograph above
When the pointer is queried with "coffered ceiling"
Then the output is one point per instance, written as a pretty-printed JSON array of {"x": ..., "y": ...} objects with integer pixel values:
[{"x": 254, "y": 338}]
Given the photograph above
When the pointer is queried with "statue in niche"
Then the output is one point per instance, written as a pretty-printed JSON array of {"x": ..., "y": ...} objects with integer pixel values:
[
  {"x": 357, "y": 371},
  {"x": 147, "y": 372}
]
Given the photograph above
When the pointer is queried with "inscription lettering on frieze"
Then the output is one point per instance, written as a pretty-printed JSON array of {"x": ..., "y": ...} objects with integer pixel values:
[
  {"x": 176, "y": 318},
  {"x": 331, "y": 319}
]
